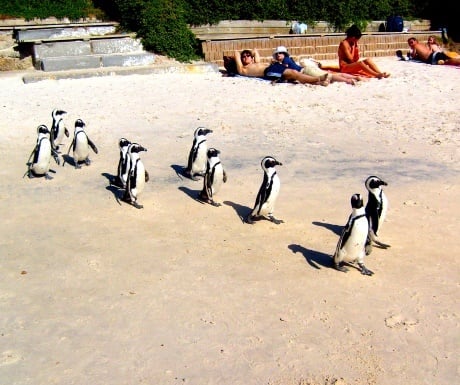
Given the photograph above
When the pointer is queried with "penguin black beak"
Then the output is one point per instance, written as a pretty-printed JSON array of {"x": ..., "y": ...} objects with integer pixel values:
[{"x": 279, "y": 163}]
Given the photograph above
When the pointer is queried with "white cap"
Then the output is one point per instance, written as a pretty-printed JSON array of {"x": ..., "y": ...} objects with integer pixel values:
[{"x": 280, "y": 49}]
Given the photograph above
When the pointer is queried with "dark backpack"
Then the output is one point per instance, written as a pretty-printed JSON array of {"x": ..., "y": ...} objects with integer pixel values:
[{"x": 395, "y": 24}]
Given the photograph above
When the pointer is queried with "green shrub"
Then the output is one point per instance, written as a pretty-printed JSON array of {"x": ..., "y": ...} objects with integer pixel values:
[
  {"x": 41, "y": 9},
  {"x": 163, "y": 29}
]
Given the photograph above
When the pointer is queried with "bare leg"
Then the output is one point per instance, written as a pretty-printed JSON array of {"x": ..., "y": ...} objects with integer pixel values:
[
  {"x": 360, "y": 66},
  {"x": 374, "y": 67},
  {"x": 290, "y": 74}
]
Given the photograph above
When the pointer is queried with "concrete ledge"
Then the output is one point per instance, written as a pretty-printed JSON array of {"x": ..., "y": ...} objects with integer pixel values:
[
  {"x": 70, "y": 62},
  {"x": 199, "y": 68},
  {"x": 59, "y": 33},
  {"x": 127, "y": 60},
  {"x": 68, "y": 48},
  {"x": 118, "y": 45}
]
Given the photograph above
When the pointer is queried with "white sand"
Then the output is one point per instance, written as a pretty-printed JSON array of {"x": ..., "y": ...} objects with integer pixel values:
[{"x": 97, "y": 292}]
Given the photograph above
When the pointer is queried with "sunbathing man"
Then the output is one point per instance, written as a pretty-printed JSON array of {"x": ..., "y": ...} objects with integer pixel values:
[
  {"x": 421, "y": 52},
  {"x": 248, "y": 64}
]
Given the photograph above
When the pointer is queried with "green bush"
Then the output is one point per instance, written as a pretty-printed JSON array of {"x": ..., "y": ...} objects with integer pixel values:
[
  {"x": 41, "y": 9},
  {"x": 164, "y": 30}
]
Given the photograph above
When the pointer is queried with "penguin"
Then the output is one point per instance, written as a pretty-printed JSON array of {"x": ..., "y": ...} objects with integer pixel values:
[
  {"x": 81, "y": 144},
  {"x": 197, "y": 155},
  {"x": 58, "y": 128},
  {"x": 351, "y": 245},
  {"x": 42, "y": 153},
  {"x": 123, "y": 163},
  {"x": 376, "y": 210},
  {"x": 268, "y": 192},
  {"x": 137, "y": 176},
  {"x": 214, "y": 177}
]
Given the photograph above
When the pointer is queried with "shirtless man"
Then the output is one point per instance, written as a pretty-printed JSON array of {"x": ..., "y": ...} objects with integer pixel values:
[
  {"x": 248, "y": 64},
  {"x": 421, "y": 52}
]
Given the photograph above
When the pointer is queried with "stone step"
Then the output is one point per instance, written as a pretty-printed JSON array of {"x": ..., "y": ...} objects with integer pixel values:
[
  {"x": 114, "y": 45},
  {"x": 65, "y": 63},
  {"x": 38, "y": 34}
]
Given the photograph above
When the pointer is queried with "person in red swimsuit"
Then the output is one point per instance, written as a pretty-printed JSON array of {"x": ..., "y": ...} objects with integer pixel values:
[{"x": 349, "y": 60}]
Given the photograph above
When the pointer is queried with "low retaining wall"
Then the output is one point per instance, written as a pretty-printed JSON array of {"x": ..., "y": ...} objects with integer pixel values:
[{"x": 319, "y": 47}]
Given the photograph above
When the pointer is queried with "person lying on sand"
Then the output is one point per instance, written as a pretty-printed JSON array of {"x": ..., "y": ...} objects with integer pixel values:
[
  {"x": 248, "y": 64},
  {"x": 423, "y": 53}
]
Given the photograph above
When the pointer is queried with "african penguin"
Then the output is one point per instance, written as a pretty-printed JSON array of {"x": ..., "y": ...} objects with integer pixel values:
[
  {"x": 81, "y": 144},
  {"x": 123, "y": 163},
  {"x": 137, "y": 176},
  {"x": 40, "y": 165},
  {"x": 350, "y": 247},
  {"x": 58, "y": 128},
  {"x": 268, "y": 192},
  {"x": 376, "y": 210},
  {"x": 214, "y": 177},
  {"x": 197, "y": 155}
]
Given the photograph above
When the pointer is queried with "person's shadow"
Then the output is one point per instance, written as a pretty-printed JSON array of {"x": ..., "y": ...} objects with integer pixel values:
[{"x": 314, "y": 258}]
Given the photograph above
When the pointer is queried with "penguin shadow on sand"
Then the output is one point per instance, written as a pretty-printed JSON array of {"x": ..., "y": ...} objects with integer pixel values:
[
  {"x": 181, "y": 171},
  {"x": 336, "y": 229},
  {"x": 113, "y": 187},
  {"x": 192, "y": 193},
  {"x": 66, "y": 158},
  {"x": 242, "y": 211},
  {"x": 315, "y": 259}
]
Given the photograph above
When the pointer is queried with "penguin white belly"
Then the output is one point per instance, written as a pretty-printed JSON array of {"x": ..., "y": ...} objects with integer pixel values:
[
  {"x": 353, "y": 250},
  {"x": 140, "y": 179},
  {"x": 199, "y": 165},
  {"x": 384, "y": 210},
  {"x": 218, "y": 179},
  {"x": 42, "y": 165},
  {"x": 81, "y": 151},
  {"x": 269, "y": 206}
]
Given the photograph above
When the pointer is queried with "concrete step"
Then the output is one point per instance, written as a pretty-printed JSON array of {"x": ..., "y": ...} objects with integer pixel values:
[
  {"x": 65, "y": 63},
  {"x": 119, "y": 46},
  {"x": 37, "y": 34}
]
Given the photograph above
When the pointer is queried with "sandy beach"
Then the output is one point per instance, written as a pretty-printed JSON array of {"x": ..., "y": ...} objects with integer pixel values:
[{"x": 95, "y": 291}]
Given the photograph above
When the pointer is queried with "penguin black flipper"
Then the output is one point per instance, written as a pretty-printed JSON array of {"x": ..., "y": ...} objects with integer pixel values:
[
  {"x": 55, "y": 156},
  {"x": 92, "y": 145},
  {"x": 147, "y": 176},
  {"x": 191, "y": 157},
  {"x": 373, "y": 208},
  {"x": 66, "y": 132},
  {"x": 346, "y": 232},
  {"x": 128, "y": 196}
]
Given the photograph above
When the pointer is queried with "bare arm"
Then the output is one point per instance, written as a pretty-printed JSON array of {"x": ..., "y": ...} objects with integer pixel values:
[
  {"x": 345, "y": 52},
  {"x": 239, "y": 64},
  {"x": 256, "y": 55}
]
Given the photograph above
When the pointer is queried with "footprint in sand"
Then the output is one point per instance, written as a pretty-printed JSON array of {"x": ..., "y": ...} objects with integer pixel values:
[
  {"x": 399, "y": 321},
  {"x": 9, "y": 357}
]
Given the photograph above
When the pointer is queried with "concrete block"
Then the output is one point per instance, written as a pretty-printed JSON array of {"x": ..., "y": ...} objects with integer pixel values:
[
  {"x": 70, "y": 63},
  {"x": 64, "y": 32},
  {"x": 58, "y": 49},
  {"x": 116, "y": 45},
  {"x": 128, "y": 60}
]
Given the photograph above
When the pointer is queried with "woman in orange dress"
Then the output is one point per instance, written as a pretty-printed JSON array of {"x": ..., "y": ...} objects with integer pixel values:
[{"x": 349, "y": 60}]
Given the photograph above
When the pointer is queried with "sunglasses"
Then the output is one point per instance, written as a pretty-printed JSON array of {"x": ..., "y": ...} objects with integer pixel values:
[{"x": 246, "y": 55}]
